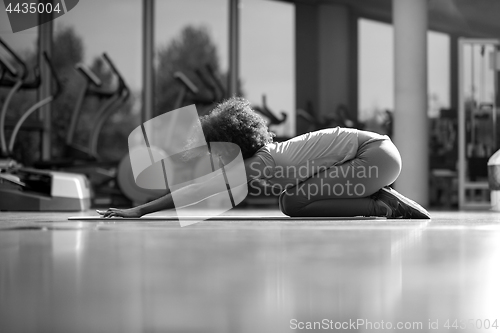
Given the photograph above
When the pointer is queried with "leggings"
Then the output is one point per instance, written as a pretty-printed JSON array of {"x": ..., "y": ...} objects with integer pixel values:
[{"x": 345, "y": 190}]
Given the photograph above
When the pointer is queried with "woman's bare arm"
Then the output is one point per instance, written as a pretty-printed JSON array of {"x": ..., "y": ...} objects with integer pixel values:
[
  {"x": 190, "y": 194},
  {"x": 163, "y": 203}
]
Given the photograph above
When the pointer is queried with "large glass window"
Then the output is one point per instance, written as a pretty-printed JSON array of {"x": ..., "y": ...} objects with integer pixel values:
[
  {"x": 82, "y": 35},
  {"x": 268, "y": 58},
  {"x": 376, "y": 70},
  {"x": 191, "y": 40},
  {"x": 24, "y": 44},
  {"x": 438, "y": 72}
]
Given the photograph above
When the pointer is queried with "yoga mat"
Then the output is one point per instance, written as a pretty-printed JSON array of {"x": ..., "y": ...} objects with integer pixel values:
[{"x": 224, "y": 218}]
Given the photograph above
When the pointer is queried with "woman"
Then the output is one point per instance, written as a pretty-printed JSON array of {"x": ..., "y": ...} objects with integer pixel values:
[{"x": 335, "y": 172}]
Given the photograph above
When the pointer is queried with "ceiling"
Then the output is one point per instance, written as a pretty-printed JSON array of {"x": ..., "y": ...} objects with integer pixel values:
[{"x": 468, "y": 18}]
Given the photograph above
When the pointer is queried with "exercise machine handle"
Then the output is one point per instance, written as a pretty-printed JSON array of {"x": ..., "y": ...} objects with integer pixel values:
[
  {"x": 24, "y": 71},
  {"x": 125, "y": 92},
  {"x": 96, "y": 83},
  {"x": 36, "y": 106},
  {"x": 54, "y": 75},
  {"x": 15, "y": 76},
  {"x": 220, "y": 86},
  {"x": 270, "y": 114},
  {"x": 207, "y": 83},
  {"x": 186, "y": 82},
  {"x": 121, "y": 81},
  {"x": 10, "y": 69},
  {"x": 88, "y": 74}
]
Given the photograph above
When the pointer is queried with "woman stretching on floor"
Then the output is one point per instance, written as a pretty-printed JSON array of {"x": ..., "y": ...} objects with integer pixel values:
[{"x": 335, "y": 172}]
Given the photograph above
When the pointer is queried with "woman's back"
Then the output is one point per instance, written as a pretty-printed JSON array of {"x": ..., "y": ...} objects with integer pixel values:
[{"x": 301, "y": 157}]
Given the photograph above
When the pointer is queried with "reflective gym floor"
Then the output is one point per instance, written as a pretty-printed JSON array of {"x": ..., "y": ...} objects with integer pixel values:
[{"x": 250, "y": 276}]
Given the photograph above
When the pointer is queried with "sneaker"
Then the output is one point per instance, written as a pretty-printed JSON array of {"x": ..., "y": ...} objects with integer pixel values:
[{"x": 398, "y": 206}]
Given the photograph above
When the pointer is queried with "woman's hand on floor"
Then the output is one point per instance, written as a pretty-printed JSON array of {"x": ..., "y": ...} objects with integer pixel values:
[{"x": 115, "y": 212}]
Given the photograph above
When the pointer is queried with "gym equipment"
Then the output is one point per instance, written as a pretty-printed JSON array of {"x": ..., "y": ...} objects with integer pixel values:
[
  {"x": 29, "y": 189},
  {"x": 477, "y": 118},
  {"x": 86, "y": 159},
  {"x": 266, "y": 112},
  {"x": 339, "y": 117},
  {"x": 494, "y": 180},
  {"x": 123, "y": 95},
  {"x": 217, "y": 93},
  {"x": 36, "y": 106},
  {"x": 220, "y": 93},
  {"x": 112, "y": 182},
  {"x": 187, "y": 87},
  {"x": 191, "y": 94},
  {"x": 212, "y": 82},
  {"x": 16, "y": 82},
  {"x": 93, "y": 87}
]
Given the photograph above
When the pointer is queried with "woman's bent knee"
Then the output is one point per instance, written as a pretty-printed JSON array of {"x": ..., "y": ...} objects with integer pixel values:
[
  {"x": 288, "y": 204},
  {"x": 394, "y": 162},
  {"x": 384, "y": 157}
]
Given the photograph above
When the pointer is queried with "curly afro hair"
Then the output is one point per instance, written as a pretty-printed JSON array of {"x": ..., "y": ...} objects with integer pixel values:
[{"x": 234, "y": 121}]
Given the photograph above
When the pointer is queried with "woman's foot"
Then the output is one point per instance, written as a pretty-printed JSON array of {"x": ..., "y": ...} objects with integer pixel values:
[{"x": 398, "y": 206}]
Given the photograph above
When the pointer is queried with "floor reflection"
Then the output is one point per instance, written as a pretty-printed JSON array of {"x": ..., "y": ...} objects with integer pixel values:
[{"x": 244, "y": 278}]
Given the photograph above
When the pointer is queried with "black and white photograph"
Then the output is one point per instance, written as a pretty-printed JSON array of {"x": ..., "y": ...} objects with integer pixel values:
[{"x": 243, "y": 166}]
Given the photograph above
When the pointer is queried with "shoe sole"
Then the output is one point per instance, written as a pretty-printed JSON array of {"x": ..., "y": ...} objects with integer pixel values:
[{"x": 416, "y": 211}]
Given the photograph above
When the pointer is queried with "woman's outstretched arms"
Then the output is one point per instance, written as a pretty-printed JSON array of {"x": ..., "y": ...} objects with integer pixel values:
[
  {"x": 188, "y": 195},
  {"x": 163, "y": 203}
]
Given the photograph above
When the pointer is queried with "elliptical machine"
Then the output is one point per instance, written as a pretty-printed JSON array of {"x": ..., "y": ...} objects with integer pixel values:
[
  {"x": 29, "y": 189},
  {"x": 93, "y": 88},
  {"x": 218, "y": 93},
  {"x": 85, "y": 159}
]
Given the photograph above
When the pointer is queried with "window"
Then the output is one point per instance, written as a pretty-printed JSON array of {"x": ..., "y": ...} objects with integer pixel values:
[
  {"x": 267, "y": 53},
  {"x": 82, "y": 36},
  {"x": 24, "y": 44},
  {"x": 191, "y": 37},
  {"x": 376, "y": 69}
]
